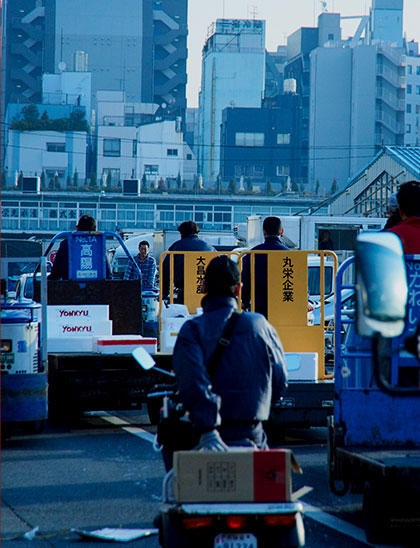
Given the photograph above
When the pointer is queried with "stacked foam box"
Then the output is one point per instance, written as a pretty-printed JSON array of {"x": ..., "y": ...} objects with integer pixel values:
[
  {"x": 302, "y": 366},
  {"x": 71, "y": 328},
  {"x": 123, "y": 344},
  {"x": 172, "y": 319}
]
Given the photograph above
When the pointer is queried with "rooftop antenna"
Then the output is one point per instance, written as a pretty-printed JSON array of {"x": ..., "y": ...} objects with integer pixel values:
[{"x": 253, "y": 11}]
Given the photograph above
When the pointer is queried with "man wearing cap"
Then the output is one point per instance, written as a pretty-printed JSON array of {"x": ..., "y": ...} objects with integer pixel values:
[
  {"x": 60, "y": 267},
  {"x": 408, "y": 229},
  {"x": 189, "y": 242},
  {"x": 394, "y": 216},
  {"x": 229, "y": 405}
]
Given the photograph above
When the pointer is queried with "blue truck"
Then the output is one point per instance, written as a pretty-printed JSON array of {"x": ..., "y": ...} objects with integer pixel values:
[{"x": 374, "y": 434}]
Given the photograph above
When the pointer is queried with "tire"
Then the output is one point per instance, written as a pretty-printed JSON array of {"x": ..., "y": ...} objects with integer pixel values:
[
  {"x": 170, "y": 536},
  {"x": 34, "y": 427},
  {"x": 375, "y": 512}
]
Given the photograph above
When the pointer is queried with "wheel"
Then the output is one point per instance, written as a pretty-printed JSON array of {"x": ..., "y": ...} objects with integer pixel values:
[
  {"x": 6, "y": 431},
  {"x": 170, "y": 536},
  {"x": 375, "y": 512},
  {"x": 34, "y": 427}
]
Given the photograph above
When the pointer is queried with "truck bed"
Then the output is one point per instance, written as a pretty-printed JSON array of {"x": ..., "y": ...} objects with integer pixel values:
[
  {"x": 305, "y": 404},
  {"x": 93, "y": 382}
]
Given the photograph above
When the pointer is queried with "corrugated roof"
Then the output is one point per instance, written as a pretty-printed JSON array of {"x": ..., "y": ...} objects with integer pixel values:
[{"x": 408, "y": 157}]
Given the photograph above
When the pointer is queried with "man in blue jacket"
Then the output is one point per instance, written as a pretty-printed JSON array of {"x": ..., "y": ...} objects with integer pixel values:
[
  {"x": 272, "y": 231},
  {"x": 189, "y": 242},
  {"x": 228, "y": 407}
]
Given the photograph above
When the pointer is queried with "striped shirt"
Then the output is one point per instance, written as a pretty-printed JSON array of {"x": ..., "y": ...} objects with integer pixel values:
[{"x": 147, "y": 269}]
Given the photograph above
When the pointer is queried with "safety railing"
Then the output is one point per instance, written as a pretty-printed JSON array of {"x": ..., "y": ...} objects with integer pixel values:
[{"x": 286, "y": 293}]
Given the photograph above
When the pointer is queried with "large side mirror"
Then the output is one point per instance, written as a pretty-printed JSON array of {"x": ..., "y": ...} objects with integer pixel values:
[{"x": 381, "y": 279}]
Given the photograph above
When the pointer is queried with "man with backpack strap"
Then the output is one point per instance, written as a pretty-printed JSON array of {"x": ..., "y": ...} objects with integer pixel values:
[{"x": 229, "y": 396}]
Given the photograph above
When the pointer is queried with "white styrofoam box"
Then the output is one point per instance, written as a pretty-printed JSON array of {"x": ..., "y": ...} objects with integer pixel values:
[
  {"x": 302, "y": 366},
  {"x": 167, "y": 341},
  {"x": 170, "y": 328},
  {"x": 76, "y": 312},
  {"x": 67, "y": 344},
  {"x": 79, "y": 329},
  {"x": 124, "y": 344},
  {"x": 172, "y": 324},
  {"x": 175, "y": 311}
]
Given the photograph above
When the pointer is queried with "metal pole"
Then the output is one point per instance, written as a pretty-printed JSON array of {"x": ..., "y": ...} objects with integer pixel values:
[{"x": 44, "y": 350}]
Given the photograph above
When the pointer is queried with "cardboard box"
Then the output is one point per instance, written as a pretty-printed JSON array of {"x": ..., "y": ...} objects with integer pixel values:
[
  {"x": 124, "y": 344},
  {"x": 302, "y": 366},
  {"x": 234, "y": 476}
]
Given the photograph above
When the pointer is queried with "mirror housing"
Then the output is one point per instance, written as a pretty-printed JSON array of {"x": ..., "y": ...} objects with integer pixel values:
[{"x": 381, "y": 285}]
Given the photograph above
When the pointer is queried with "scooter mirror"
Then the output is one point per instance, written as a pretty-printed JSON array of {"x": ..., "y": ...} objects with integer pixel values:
[{"x": 143, "y": 358}]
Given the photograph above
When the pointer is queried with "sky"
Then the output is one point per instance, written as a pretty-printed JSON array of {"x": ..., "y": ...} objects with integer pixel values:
[{"x": 282, "y": 18}]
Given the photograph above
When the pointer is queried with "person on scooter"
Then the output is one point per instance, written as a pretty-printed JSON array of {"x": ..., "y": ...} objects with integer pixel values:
[{"x": 228, "y": 406}]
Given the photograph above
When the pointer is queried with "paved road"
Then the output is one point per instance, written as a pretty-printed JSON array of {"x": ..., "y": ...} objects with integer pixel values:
[{"x": 104, "y": 472}]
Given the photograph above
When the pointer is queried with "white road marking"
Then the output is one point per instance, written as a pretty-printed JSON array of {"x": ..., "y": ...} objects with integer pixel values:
[
  {"x": 117, "y": 421},
  {"x": 309, "y": 510},
  {"x": 339, "y": 525},
  {"x": 140, "y": 433}
]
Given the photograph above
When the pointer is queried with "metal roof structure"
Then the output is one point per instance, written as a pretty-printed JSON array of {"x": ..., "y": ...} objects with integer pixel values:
[
  {"x": 409, "y": 157},
  {"x": 367, "y": 192}
]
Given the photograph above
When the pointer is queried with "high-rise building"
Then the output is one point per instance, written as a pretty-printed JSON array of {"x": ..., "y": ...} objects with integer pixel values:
[
  {"x": 22, "y": 27},
  {"x": 135, "y": 46},
  {"x": 357, "y": 95},
  {"x": 117, "y": 39},
  {"x": 233, "y": 70},
  {"x": 412, "y": 99},
  {"x": 297, "y": 67}
]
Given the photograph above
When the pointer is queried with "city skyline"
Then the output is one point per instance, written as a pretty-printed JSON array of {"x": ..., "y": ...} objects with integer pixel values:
[{"x": 303, "y": 13}]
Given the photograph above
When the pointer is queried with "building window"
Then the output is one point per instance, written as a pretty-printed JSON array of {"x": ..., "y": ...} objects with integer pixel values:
[
  {"x": 189, "y": 156},
  {"x": 110, "y": 175},
  {"x": 112, "y": 147},
  {"x": 282, "y": 169},
  {"x": 134, "y": 148},
  {"x": 409, "y": 69},
  {"x": 51, "y": 173},
  {"x": 151, "y": 170},
  {"x": 172, "y": 152},
  {"x": 408, "y": 128},
  {"x": 256, "y": 171},
  {"x": 249, "y": 139},
  {"x": 56, "y": 147},
  {"x": 409, "y": 89},
  {"x": 418, "y": 90},
  {"x": 283, "y": 138},
  {"x": 418, "y": 71},
  {"x": 331, "y": 37},
  {"x": 408, "y": 109}
]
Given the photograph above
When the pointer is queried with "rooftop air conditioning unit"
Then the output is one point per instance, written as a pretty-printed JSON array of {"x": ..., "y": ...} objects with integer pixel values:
[
  {"x": 131, "y": 187},
  {"x": 31, "y": 184}
]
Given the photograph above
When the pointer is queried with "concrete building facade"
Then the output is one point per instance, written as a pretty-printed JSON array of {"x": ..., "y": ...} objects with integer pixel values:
[
  {"x": 261, "y": 144},
  {"x": 55, "y": 153},
  {"x": 357, "y": 94},
  {"x": 412, "y": 99},
  {"x": 233, "y": 73}
]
